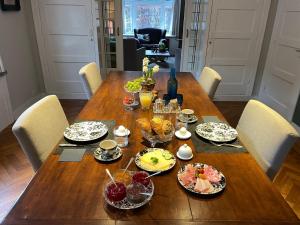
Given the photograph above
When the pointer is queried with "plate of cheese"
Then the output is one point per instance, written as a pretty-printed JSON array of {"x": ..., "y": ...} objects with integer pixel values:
[{"x": 155, "y": 159}]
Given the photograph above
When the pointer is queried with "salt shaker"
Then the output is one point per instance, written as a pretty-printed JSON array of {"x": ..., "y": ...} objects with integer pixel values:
[{"x": 121, "y": 136}]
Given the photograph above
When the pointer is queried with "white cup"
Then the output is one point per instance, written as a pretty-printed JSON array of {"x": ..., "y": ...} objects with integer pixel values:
[{"x": 109, "y": 147}]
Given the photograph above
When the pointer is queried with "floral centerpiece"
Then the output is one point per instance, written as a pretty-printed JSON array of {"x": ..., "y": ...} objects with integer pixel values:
[{"x": 148, "y": 82}]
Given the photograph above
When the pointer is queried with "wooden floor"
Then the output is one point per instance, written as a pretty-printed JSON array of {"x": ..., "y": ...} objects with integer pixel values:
[{"x": 16, "y": 172}]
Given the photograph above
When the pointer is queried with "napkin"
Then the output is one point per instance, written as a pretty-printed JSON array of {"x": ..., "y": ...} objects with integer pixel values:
[
  {"x": 72, "y": 155},
  {"x": 210, "y": 119}
]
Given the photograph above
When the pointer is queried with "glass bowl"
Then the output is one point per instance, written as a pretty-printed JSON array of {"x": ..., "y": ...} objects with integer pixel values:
[{"x": 155, "y": 138}]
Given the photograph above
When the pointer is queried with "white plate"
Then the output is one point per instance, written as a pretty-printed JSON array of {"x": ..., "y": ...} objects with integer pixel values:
[
  {"x": 145, "y": 151},
  {"x": 177, "y": 154},
  {"x": 216, "y": 131},
  {"x": 99, "y": 155},
  {"x": 217, "y": 187},
  {"x": 183, "y": 137},
  {"x": 85, "y": 131}
]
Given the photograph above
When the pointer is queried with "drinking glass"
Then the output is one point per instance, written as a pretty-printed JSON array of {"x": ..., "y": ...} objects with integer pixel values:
[{"x": 145, "y": 99}]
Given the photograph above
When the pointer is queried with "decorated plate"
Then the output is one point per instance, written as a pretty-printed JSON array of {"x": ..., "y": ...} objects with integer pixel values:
[
  {"x": 216, "y": 131},
  {"x": 85, "y": 131},
  {"x": 155, "y": 159},
  {"x": 191, "y": 119},
  {"x": 126, "y": 204},
  {"x": 201, "y": 179},
  {"x": 99, "y": 155}
]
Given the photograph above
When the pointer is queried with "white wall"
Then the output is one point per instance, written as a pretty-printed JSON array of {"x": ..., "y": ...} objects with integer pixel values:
[{"x": 19, "y": 52}]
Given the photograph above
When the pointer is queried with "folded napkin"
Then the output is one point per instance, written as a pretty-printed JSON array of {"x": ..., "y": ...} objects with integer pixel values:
[{"x": 72, "y": 155}]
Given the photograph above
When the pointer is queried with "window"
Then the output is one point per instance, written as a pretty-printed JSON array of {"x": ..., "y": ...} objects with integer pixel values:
[{"x": 139, "y": 14}]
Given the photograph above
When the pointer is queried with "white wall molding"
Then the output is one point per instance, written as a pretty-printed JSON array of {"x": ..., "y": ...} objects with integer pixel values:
[
  {"x": 20, "y": 109},
  {"x": 234, "y": 98}
]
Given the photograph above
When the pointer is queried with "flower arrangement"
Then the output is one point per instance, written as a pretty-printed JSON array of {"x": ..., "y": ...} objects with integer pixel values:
[{"x": 148, "y": 71}]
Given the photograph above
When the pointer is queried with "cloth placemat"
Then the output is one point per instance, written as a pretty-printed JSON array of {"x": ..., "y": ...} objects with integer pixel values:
[
  {"x": 203, "y": 145},
  {"x": 72, "y": 155},
  {"x": 91, "y": 146}
]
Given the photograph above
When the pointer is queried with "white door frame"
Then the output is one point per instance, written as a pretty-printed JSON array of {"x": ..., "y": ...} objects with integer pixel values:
[
  {"x": 119, "y": 38},
  {"x": 41, "y": 42},
  {"x": 6, "y": 98},
  {"x": 186, "y": 28}
]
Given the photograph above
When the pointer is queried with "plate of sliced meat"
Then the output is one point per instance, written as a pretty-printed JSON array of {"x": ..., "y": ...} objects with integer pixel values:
[{"x": 201, "y": 179}]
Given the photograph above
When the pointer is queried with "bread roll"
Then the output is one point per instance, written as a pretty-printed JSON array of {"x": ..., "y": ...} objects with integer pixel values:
[
  {"x": 167, "y": 127},
  {"x": 156, "y": 125},
  {"x": 144, "y": 124}
]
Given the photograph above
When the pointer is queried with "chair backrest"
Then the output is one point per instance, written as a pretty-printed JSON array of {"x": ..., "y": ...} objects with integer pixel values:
[
  {"x": 266, "y": 135},
  {"x": 91, "y": 77},
  {"x": 40, "y": 128},
  {"x": 133, "y": 57},
  {"x": 209, "y": 80}
]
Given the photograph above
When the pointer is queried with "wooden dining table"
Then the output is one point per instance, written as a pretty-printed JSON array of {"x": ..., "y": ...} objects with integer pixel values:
[{"x": 72, "y": 192}]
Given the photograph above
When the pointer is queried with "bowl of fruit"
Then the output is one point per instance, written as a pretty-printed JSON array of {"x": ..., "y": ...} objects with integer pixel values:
[
  {"x": 131, "y": 190},
  {"x": 134, "y": 86}
]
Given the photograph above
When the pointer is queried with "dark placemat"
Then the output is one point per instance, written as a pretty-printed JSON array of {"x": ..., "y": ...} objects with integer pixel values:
[
  {"x": 203, "y": 145},
  {"x": 89, "y": 146}
]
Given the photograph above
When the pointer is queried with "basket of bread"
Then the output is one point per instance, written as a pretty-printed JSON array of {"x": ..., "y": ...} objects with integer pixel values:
[{"x": 156, "y": 130}]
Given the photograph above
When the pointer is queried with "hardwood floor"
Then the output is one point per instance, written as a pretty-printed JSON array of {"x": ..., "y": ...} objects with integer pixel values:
[{"x": 16, "y": 171}]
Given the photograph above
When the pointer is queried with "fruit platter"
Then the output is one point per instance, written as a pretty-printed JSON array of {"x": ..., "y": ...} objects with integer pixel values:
[
  {"x": 201, "y": 179},
  {"x": 130, "y": 190}
]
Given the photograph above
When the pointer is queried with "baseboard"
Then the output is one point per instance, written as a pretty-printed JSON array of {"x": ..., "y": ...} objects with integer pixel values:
[
  {"x": 234, "y": 98},
  {"x": 71, "y": 95},
  {"x": 19, "y": 110}
]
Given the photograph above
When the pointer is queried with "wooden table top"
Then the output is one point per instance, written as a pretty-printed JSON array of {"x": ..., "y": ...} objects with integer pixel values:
[{"x": 71, "y": 192}]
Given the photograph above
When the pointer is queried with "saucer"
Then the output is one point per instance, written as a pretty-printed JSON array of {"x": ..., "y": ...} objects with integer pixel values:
[
  {"x": 183, "y": 137},
  {"x": 184, "y": 158},
  {"x": 191, "y": 119},
  {"x": 99, "y": 155}
]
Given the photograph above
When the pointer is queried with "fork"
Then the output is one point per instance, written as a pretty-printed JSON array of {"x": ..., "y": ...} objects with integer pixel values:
[{"x": 224, "y": 144}]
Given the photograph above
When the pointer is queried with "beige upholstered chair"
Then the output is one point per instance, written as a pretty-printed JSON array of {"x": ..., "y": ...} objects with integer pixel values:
[
  {"x": 91, "y": 77},
  {"x": 209, "y": 80},
  {"x": 266, "y": 135},
  {"x": 40, "y": 128}
]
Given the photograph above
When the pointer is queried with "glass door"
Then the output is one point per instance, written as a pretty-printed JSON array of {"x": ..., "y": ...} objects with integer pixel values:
[
  {"x": 111, "y": 38},
  {"x": 194, "y": 36}
]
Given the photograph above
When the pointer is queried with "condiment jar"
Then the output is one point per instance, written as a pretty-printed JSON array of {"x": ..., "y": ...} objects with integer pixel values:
[{"x": 121, "y": 136}]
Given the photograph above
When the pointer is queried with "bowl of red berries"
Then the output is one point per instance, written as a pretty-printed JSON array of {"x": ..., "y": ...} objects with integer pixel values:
[{"x": 130, "y": 190}]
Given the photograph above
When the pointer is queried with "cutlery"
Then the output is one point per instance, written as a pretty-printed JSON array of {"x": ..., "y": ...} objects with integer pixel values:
[
  {"x": 153, "y": 174},
  {"x": 110, "y": 176},
  {"x": 148, "y": 194},
  {"x": 76, "y": 145},
  {"x": 130, "y": 161},
  {"x": 224, "y": 144}
]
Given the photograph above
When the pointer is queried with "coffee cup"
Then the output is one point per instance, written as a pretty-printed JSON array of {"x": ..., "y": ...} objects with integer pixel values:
[
  {"x": 109, "y": 147},
  {"x": 187, "y": 113}
]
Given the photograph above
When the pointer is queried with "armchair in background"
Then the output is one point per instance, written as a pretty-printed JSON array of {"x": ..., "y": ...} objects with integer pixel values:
[
  {"x": 150, "y": 37},
  {"x": 133, "y": 54}
]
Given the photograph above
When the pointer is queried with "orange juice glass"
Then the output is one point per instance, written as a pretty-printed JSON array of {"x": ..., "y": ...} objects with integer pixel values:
[{"x": 145, "y": 99}]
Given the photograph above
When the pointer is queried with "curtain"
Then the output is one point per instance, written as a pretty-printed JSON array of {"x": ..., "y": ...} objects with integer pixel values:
[{"x": 176, "y": 18}]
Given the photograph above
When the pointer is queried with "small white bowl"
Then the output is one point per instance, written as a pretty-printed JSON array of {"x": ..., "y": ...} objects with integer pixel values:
[{"x": 183, "y": 137}]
